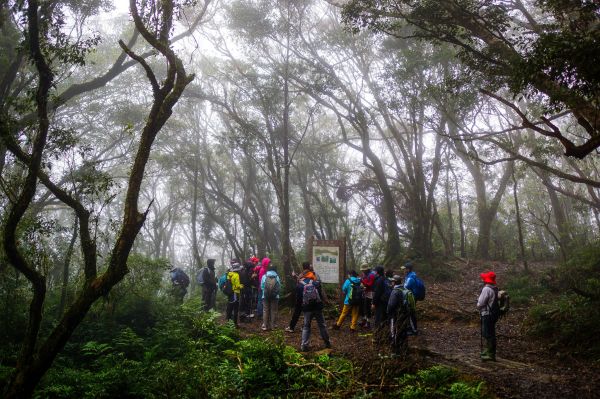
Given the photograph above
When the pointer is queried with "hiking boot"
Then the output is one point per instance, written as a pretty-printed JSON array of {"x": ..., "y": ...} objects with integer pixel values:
[
  {"x": 328, "y": 344},
  {"x": 367, "y": 325},
  {"x": 362, "y": 323},
  {"x": 335, "y": 327},
  {"x": 304, "y": 349},
  {"x": 264, "y": 328},
  {"x": 289, "y": 329},
  {"x": 489, "y": 353}
]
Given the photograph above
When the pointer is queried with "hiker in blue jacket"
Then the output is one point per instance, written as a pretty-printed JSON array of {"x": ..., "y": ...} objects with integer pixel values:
[
  {"x": 410, "y": 284},
  {"x": 351, "y": 283}
]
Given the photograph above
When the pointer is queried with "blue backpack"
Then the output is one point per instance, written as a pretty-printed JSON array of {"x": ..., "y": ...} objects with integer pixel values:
[
  {"x": 222, "y": 280},
  {"x": 419, "y": 289}
]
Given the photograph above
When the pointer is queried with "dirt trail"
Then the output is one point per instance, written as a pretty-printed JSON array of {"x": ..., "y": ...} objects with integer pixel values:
[{"x": 449, "y": 334}]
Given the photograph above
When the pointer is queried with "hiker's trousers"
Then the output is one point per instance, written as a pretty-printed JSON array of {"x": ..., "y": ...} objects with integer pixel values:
[
  {"x": 355, "y": 309},
  {"x": 208, "y": 298},
  {"x": 233, "y": 307},
  {"x": 488, "y": 327},
  {"x": 296, "y": 314},
  {"x": 318, "y": 316},
  {"x": 269, "y": 313}
]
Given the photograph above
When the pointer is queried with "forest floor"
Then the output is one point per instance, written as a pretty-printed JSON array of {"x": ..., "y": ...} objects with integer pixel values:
[{"x": 449, "y": 334}]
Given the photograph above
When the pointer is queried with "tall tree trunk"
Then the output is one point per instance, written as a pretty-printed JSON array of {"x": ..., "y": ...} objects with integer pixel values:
[
  {"x": 194, "y": 217},
  {"x": 461, "y": 223},
  {"x": 560, "y": 218},
  {"x": 449, "y": 207},
  {"x": 486, "y": 210},
  {"x": 65, "y": 272},
  {"x": 519, "y": 224},
  {"x": 288, "y": 258}
]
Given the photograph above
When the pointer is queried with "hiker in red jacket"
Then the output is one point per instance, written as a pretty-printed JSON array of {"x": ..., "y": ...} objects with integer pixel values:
[{"x": 367, "y": 280}]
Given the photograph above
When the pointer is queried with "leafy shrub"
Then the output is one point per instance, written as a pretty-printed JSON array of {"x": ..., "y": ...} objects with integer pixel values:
[
  {"x": 570, "y": 324},
  {"x": 570, "y": 320},
  {"x": 436, "y": 270},
  {"x": 522, "y": 288},
  {"x": 439, "y": 382}
]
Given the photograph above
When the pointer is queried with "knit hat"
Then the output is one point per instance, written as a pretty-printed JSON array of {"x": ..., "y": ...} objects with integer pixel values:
[{"x": 488, "y": 277}]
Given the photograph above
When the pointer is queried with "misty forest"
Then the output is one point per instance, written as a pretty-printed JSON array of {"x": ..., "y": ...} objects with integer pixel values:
[{"x": 169, "y": 168}]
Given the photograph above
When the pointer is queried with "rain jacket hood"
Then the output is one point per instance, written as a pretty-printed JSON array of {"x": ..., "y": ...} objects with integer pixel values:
[{"x": 264, "y": 265}]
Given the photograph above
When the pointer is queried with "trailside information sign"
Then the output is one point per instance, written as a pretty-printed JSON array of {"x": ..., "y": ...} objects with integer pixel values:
[
  {"x": 329, "y": 259},
  {"x": 326, "y": 262}
]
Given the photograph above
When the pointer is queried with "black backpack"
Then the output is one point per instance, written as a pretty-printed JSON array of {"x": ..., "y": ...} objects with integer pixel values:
[
  {"x": 387, "y": 292},
  {"x": 179, "y": 277},
  {"x": 356, "y": 293},
  {"x": 500, "y": 305}
]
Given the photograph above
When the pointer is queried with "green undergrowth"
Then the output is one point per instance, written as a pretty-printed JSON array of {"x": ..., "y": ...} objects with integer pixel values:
[
  {"x": 564, "y": 304},
  {"x": 523, "y": 288},
  {"x": 439, "y": 382},
  {"x": 190, "y": 354}
]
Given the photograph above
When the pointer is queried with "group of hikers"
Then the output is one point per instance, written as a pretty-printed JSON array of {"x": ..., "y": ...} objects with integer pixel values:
[
  {"x": 254, "y": 288},
  {"x": 379, "y": 298}
]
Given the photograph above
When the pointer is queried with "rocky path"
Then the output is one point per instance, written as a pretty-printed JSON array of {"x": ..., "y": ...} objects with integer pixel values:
[{"x": 449, "y": 335}]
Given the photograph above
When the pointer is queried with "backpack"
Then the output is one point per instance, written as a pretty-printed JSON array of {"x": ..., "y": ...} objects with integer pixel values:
[
  {"x": 500, "y": 305},
  {"x": 387, "y": 292},
  {"x": 179, "y": 277},
  {"x": 503, "y": 303},
  {"x": 356, "y": 293},
  {"x": 419, "y": 289},
  {"x": 222, "y": 280},
  {"x": 271, "y": 287},
  {"x": 227, "y": 285},
  {"x": 310, "y": 294},
  {"x": 407, "y": 304},
  {"x": 200, "y": 276}
]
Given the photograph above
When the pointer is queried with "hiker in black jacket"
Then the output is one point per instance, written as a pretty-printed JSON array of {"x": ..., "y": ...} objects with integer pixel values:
[
  {"x": 381, "y": 295},
  {"x": 312, "y": 307},
  {"x": 209, "y": 285},
  {"x": 246, "y": 294}
]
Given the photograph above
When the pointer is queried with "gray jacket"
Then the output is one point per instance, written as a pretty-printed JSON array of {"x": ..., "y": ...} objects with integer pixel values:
[{"x": 486, "y": 299}]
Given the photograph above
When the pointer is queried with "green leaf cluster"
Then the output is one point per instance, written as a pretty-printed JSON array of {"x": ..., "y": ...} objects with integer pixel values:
[
  {"x": 439, "y": 382},
  {"x": 569, "y": 317}
]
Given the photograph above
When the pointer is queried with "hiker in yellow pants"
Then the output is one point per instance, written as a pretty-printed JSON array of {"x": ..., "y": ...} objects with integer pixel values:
[{"x": 352, "y": 301}]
